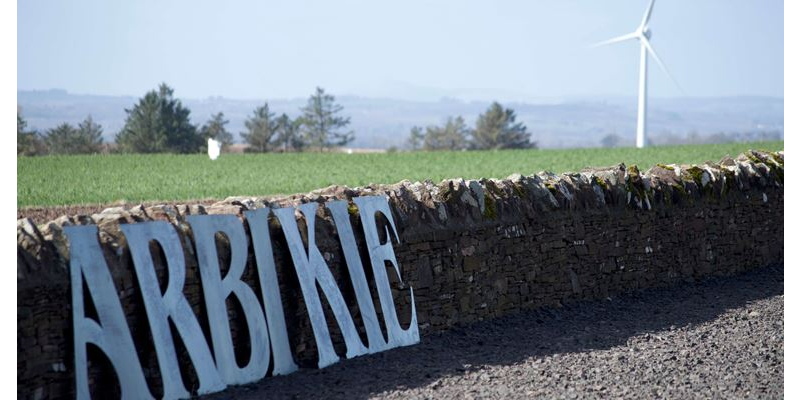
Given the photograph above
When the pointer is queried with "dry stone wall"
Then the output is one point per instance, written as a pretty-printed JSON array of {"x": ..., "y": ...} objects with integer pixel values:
[{"x": 471, "y": 250}]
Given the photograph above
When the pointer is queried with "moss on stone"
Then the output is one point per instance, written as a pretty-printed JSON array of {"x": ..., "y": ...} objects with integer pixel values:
[
  {"x": 778, "y": 173},
  {"x": 600, "y": 182},
  {"x": 775, "y": 165},
  {"x": 697, "y": 175},
  {"x": 551, "y": 188},
  {"x": 680, "y": 189},
  {"x": 519, "y": 191},
  {"x": 274, "y": 223},
  {"x": 633, "y": 171},
  {"x": 630, "y": 184},
  {"x": 667, "y": 167},
  {"x": 445, "y": 192},
  {"x": 777, "y": 157},
  {"x": 752, "y": 157},
  {"x": 730, "y": 178},
  {"x": 492, "y": 188},
  {"x": 631, "y": 188},
  {"x": 666, "y": 196},
  {"x": 490, "y": 207},
  {"x": 352, "y": 209}
]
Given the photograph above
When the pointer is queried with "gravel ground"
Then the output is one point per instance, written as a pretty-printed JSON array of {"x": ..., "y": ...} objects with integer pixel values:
[{"x": 721, "y": 338}]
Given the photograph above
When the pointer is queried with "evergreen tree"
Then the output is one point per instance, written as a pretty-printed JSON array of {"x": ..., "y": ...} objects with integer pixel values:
[
  {"x": 497, "y": 129},
  {"x": 159, "y": 123},
  {"x": 89, "y": 138},
  {"x": 143, "y": 131},
  {"x": 29, "y": 143},
  {"x": 62, "y": 139},
  {"x": 322, "y": 127},
  {"x": 261, "y": 129},
  {"x": 416, "y": 138},
  {"x": 215, "y": 129},
  {"x": 289, "y": 138},
  {"x": 452, "y": 136},
  {"x": 182, "y": 136}
]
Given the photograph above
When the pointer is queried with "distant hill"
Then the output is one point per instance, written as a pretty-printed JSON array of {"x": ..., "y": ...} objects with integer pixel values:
[{"x": 382, "y": 123}]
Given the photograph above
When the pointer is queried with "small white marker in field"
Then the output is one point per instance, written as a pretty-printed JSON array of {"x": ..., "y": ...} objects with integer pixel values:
[{"x": 213, "y": 148}]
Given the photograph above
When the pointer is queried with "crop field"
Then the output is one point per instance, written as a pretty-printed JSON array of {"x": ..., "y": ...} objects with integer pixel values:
[{"x": 103, "y": 179}]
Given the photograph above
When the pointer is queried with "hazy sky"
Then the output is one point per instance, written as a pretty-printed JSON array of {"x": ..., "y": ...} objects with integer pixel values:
[{"x": 410, "y": 49}]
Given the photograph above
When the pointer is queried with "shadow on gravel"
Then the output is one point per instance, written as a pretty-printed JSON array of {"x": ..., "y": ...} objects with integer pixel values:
[{"x": 576, "y": 327}]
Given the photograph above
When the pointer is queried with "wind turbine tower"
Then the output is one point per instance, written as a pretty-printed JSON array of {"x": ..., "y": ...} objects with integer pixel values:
[{"x": 642, "y": 34}]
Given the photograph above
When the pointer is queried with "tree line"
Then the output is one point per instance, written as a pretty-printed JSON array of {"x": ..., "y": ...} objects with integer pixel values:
[
  {"x": 86, "y": 138},
  {"x": 495, "y": 129},
  {"x": 159, "y": 123}
]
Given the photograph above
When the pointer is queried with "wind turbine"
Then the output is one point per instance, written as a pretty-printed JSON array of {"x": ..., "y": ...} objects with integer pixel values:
[{"x": 643, "y": 34}]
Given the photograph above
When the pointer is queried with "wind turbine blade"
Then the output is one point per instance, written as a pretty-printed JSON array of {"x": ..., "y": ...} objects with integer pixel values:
[
  {"x": 647, "y": 14},
  {"x": 660, "y": 63},
  {"x": 617, "y": 39}
]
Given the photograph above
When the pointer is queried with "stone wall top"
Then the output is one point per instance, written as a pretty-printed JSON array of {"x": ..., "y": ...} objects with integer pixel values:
[{"x": 455, "y": 203}]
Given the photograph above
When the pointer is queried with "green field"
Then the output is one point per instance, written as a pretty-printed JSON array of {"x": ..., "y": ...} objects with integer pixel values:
[{"x": 70, "y": 180}]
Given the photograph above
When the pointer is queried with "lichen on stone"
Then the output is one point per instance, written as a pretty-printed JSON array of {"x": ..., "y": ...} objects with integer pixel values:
[
  {"x": 600, "y": 182},
  {"x": 634, "y": 184},
  {"x": 667, "y": 167},
  {"x": 697, "y": 175},
  {"x": 352, "y": 209},
  {"x": 519, "y": 191},
  {"x": 445, "y": 191},
  {"x": 491, "y": 187},
  {"x": 680, "y": 189},
  {"x": 490, "y": 210},
  {"x": 633, "y": 171},
  {"x": 730, "y": 179},
  {"x": 777, "y": 156},
  {"x": 551, "y": 188},
  {"x": 774, "y": 162}
]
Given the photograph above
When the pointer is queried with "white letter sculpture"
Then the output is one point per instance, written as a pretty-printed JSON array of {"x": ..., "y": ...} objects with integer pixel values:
[
  {"x": 270, "y": 291},
  {"x": 357, "y": 277},
  {"x": 311, "y": 269},
  {"x": 266, "y": 326},
  {"x": 216, "y": 290},
  {"x": 368, "y": 206},
  {"x": 172, "y": 305},
  {"x": 110, "y": 332}
]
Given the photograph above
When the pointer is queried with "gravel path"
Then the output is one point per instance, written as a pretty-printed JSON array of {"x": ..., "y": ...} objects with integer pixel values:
[{"x": 722, "y": 338}]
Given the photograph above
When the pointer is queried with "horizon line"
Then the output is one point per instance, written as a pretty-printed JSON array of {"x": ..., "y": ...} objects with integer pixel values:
[{"x": 441, "y": 98}]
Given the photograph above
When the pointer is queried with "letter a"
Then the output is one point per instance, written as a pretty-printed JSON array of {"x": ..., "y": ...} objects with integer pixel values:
[
  {"x": 171, "y": 305},
  {"x": 110, "y": 333}
]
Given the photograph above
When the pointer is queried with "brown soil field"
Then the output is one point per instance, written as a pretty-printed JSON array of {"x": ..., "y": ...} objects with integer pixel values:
[{"x": 40, "y": 215}]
